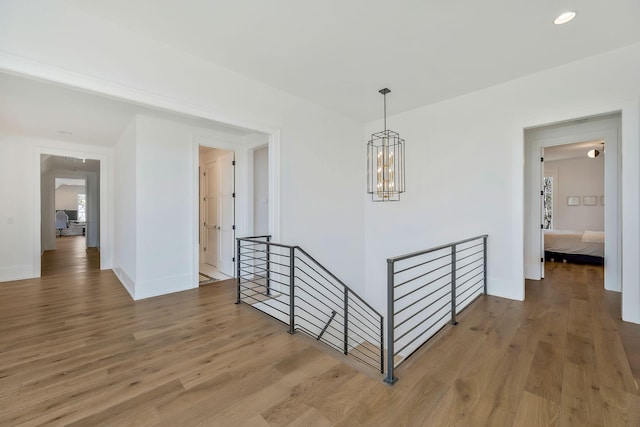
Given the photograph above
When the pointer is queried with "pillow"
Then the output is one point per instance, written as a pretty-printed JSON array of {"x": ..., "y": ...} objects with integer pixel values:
[{"x": 593, "y": 236}]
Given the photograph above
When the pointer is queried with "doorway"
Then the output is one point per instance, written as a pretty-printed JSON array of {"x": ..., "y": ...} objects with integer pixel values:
[
  {"x": 69, "y": 213},
  {"x": 583, "y": 135},
  {"x": 70, "y": 201},
  {"x": 217, "y": 214},
  {"x": 572, "y": 216}
]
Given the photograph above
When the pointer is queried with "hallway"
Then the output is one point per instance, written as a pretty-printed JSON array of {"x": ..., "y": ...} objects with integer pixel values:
[{"x": 71, "y": 256}]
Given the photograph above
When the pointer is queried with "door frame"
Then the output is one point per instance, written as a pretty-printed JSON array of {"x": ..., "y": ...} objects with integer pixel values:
[
  {"x": 613, "y": 240},
  {"x": 106, "y": 238},
  {"x": 243, "y": 202},
  {"x": 629, "y": 190}
]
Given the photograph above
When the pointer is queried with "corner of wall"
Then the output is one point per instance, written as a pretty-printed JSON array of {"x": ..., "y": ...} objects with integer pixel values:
[
  {"x": 506, "y": 288},
  {"x": 126, "y": 281}
]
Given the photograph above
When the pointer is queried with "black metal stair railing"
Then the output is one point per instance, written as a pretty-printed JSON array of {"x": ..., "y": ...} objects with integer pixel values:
[
  {"x": 290, "y": 285},
  {"x": 428, "y": 289}
]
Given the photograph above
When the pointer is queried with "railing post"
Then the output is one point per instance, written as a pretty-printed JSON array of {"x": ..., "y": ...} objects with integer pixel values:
[
  {"x": 453, "y": 285},
  {"x": 381, "y": 345},
  {"x": 238, "y": 242},
  {"x": 390, "y": 379},
  {"x": 484, "y": 239},
  {"x": 292, "y": 281},
  {"x": 346, "y": 320},
  {"x": 268, "y": 265}
]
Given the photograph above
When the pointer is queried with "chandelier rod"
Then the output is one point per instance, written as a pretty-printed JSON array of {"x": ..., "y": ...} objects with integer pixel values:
[
  {"x": 384, "y": 93},
  {"x": 385, "y": 111}
]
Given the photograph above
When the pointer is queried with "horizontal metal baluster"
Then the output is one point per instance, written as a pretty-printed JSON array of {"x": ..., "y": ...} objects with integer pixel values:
[
  {"x": 311, "y": 286},
  {"x": 418, "y": 323}
]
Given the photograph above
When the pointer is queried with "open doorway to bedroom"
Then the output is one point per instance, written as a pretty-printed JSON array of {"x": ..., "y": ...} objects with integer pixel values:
[
  {"x": 573, "y": 203},
  {"x": 572, "y": 193}
]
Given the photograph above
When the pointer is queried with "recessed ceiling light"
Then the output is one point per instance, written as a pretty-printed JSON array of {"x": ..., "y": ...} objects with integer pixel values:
[{"x": 564, "y": 18}]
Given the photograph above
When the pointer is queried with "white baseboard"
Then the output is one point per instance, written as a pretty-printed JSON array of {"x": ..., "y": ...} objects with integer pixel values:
[
  {"x": 17, "y": 272},
  {"x": 126, "y": 281},
  {"x": 506, "y": 288},
  {"x": 163, "y": 286}
]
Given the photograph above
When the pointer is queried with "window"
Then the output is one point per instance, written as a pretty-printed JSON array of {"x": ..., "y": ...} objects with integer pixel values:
[
  {"x": 547, "y": 192},
  {"x": 82, "y": 204}
]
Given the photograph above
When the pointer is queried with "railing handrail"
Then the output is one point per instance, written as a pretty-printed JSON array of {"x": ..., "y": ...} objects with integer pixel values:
[
  {"x": 256, "y": 237},
  {"x": 252, "y": 240},
  {"x": 433, "y": 249}
]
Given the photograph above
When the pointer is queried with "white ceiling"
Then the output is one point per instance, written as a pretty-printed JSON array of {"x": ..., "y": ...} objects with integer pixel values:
[
  {"x": 61, "y": 163},
  {"x": 68, "y": 181},
  {"x": 338, "y": 53},
  {"x": 572, "y": 151},
  {"x": 44, "y": 110}
]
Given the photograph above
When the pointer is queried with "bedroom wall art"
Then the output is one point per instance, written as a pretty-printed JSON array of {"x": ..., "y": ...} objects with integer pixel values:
[{"x": 590, "y": 200}]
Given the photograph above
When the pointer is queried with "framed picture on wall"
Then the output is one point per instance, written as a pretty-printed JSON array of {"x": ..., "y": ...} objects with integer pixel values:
[
  {"x": 590, "y": 200},
  {"x": 573, "y": 201}
]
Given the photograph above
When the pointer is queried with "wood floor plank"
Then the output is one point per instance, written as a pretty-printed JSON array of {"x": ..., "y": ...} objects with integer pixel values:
[
  {"x": 619, "y": 407},
  {"x": 579, "y": 318},
  {"x": 579, "y": 350},
  {"x": 581, "y": 400},
  {"x": 536, "y": 411},
  {"x": 545, "y": 376}
]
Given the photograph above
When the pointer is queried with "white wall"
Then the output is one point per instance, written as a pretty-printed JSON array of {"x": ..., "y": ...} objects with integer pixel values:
[
  {"x": 17, "y": 215},
  {"x": 465, "y": 169},
  {"x": 164, "y": 204},
  {"x": 578, "y": 177},
  {"x": 67, "y": 196},
  {"x": 125, "y": 216},
  {"x": 47, "y": 206},
  {"x": 321, "y": 166},
  {"x": 261, "y": 191}
]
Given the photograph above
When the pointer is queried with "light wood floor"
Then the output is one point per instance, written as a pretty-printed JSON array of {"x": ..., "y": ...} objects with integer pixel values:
[{"x": 75, "y": 350}]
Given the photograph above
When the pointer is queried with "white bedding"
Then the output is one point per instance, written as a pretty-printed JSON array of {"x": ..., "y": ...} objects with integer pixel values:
[
  {"x": 593, "y": 236},
  {"x": 572, "y": 242}
]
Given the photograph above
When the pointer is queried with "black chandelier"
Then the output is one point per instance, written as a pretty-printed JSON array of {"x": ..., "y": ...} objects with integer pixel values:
[{"x": 385, "y": 162}]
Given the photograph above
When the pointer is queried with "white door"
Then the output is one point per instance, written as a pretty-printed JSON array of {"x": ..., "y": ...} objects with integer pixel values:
[
  {"x": 542, "y": 213},
  {"x": 227, "y": 219},
  {"x": 211, "y": 226}
]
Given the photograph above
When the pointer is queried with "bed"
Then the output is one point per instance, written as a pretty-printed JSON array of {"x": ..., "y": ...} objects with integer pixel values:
[{"x": 580, "y": 247}]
